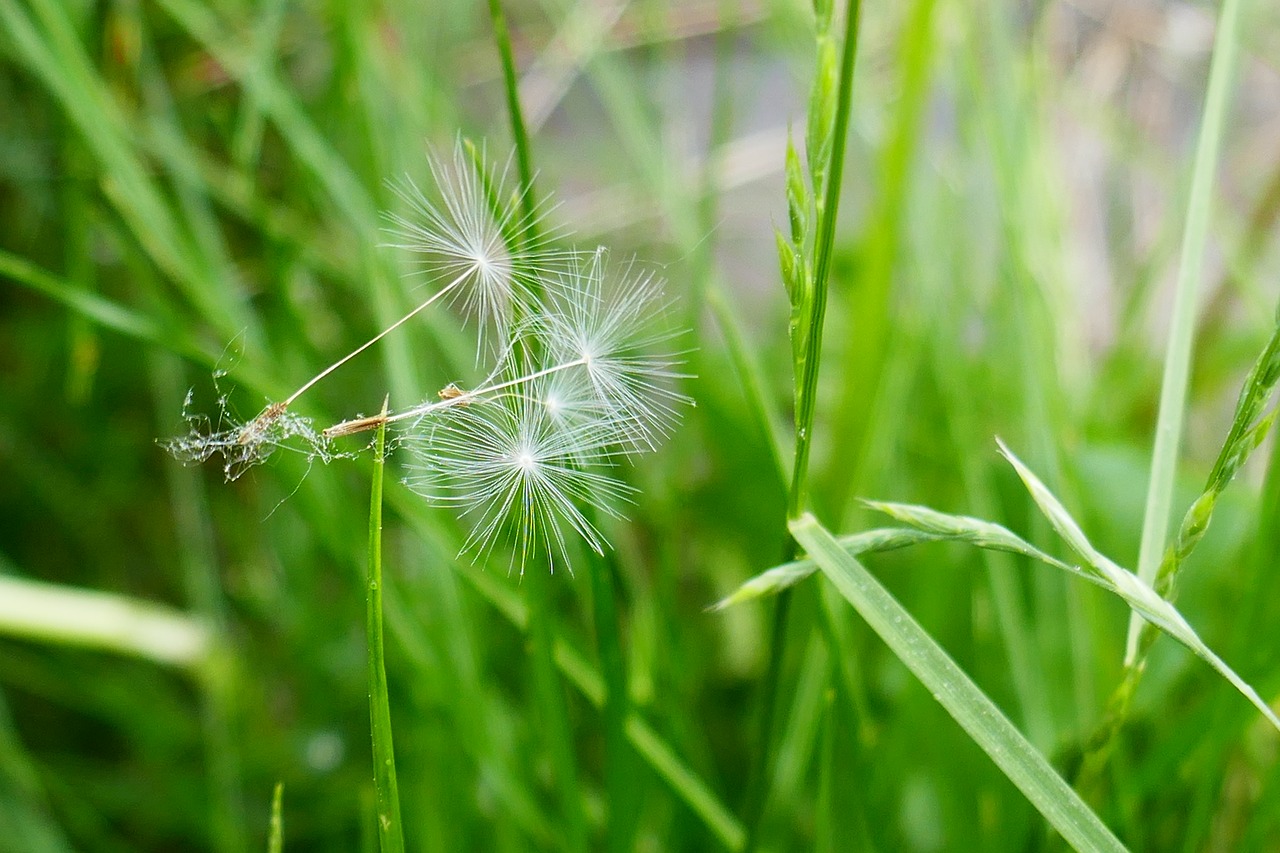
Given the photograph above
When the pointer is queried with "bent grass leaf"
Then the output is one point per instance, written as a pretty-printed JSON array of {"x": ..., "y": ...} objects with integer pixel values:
[
  {"x": 781, "y": 577},
  {"x": 1137, "y": 593},
  {"x": 951, "y": 686}
]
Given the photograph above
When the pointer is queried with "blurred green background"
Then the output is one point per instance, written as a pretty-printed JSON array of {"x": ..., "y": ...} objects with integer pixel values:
[{"x": 190, "y": 198}]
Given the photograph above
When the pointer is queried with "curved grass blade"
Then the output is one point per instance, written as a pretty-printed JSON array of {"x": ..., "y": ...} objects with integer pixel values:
[
  {"x": 1137, "y": 593},
  {"x": 968, "y": 705},
  {"x": 85, "y": 618},
  {"x": 787, "y": 575}
]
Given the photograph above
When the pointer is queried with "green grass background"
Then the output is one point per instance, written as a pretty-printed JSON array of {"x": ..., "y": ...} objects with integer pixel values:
[{"x": 188, "y": 187}]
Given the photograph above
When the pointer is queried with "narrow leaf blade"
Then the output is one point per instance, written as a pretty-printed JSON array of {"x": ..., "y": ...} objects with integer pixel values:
[{"x": 967, "y": 704}]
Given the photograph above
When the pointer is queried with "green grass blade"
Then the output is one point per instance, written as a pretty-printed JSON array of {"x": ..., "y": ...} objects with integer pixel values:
[
  {"x": 390, "y": 827},
  {"x": 58, "y": 59},
  {"x": 773, "y": 581},
  {"x": 556, "y": 731},
  {"x": 751, "y": 377},
  {"x": 1177, "y": 363},
  {"x": 719, "y": 820},
  {"x": 515, "y": 115},
  {"x": 967, "y": 704},
  {"x": 620, "y": 784},
  {"x": 275, "y": 832},
  {"x": 54, "y": 613},
  {"x": 692, "y": 789}
]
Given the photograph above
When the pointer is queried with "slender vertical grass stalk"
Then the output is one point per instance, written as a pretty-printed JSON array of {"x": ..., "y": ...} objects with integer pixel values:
[
  {"x": 390, "y": 828},
  {"x": 1173, "y": 390},
  {"x": 809, "y": 305},
  {"x": 807, "y": 383},
  {"x": 275, "y": 833},
  {"x": 511, "y": 88}
]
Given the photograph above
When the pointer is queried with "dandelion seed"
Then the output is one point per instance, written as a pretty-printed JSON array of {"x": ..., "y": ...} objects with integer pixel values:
[
  {"x": 618, "y": 338},
  {"x": 518, "y": 474},
  {"x": 584, "y": 376},
  {"x": 478, "y": 237}
]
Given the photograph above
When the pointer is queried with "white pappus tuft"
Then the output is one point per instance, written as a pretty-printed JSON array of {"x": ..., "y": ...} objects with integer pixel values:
[
  {"x": 479, "y": 242},
  {"x": 618, "y": 337},
  {"x": 519, "y": 470}
]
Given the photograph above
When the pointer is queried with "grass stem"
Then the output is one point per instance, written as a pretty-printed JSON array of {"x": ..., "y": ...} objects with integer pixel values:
[
  {"x": 390, "y": 827},
  {"x": 511, "y": 88},
  {"x": 806, "y": 398},
  {"x": 619, "y": 776}
]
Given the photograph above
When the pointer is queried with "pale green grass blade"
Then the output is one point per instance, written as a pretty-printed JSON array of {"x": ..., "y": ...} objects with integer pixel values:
[
  {"x": 1137, "y": 593},
  {"x": 101, "y": 620},
  {"x": 1177, "y": 363},
  {"x": 967, "y": 704},
  {"x": 98, "y": 309},
  {"x": 275, "y": 830}
]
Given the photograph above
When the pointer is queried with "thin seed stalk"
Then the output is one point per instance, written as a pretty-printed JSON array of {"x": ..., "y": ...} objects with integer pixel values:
[
  {"x": 806, "y": 392},
  {"x": 511, "y": 89}
]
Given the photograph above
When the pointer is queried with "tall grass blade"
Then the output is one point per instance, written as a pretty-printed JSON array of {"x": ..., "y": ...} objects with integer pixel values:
[
  {"x": 275, "y": 832},
  {"x": 1177, "y": 363},
  {"x": 687, "y": 785}
]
